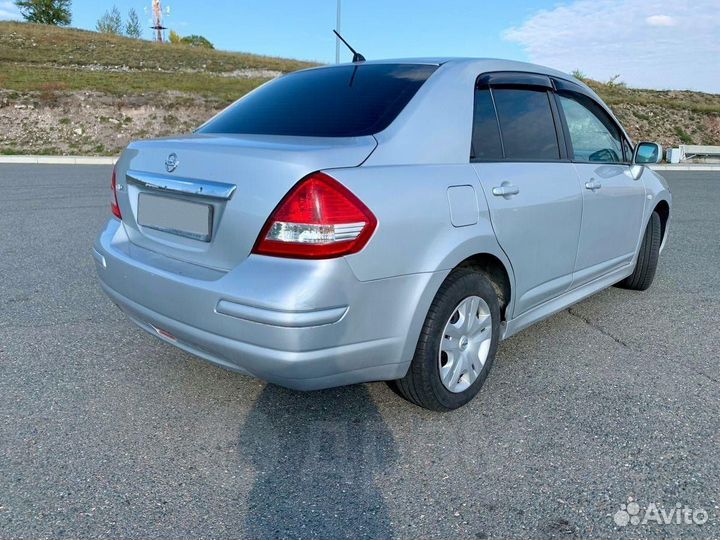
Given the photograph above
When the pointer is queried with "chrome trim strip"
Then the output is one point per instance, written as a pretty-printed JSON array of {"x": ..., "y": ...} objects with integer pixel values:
[
  {"x": 288, "y": 319},
  {"x": 99, "y": 258},
  {"x": 197, "y": 188}
]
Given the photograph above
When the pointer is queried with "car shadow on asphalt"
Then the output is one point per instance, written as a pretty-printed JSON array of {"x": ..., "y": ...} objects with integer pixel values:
[{"x": 316, "y": 458}]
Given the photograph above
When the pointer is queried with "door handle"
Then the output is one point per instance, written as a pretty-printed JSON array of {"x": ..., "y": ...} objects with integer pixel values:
[
  {"x": 505, "y": 190},
  {"x": 593, "y": 185}
]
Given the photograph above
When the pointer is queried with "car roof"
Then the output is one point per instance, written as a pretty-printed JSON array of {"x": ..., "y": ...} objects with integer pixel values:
[
  {"x": 481, "y": 65},
  {"x": 493, "y": 64},
  {"x": 486, "y": 65}
]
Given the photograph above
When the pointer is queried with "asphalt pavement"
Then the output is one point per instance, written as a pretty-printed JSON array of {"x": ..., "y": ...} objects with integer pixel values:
[{"x": 108, "y": 432}]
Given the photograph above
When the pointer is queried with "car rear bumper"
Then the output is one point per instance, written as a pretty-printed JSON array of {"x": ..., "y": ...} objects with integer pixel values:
[{"x": 300, "y": 324}]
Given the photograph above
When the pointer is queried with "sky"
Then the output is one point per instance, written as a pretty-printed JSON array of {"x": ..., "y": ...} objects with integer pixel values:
[{"x": 649, "y": 43}]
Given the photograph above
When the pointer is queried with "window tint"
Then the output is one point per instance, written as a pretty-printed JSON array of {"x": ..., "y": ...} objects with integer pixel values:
[
  {"x": 526, "y": 124},
  {"x": 593, "y": 134},
  {"x": 486, "y": 136},
  {"x": 345, "y": 101}
]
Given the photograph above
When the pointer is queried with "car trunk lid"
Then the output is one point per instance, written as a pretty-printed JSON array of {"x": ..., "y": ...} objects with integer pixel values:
[{"x": 204, "y": 199}]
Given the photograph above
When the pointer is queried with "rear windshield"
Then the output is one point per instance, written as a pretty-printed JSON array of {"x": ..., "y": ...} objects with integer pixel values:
[{"x": 345, "y": 101}]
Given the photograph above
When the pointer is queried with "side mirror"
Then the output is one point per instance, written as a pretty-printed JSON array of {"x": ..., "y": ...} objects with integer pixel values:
[{"x": 646, "y": 153}]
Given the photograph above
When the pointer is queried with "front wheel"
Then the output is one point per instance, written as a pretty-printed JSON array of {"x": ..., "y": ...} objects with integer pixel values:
[
  {"x": 457, "y": 344},
  {"x": 644, "y": 273}
]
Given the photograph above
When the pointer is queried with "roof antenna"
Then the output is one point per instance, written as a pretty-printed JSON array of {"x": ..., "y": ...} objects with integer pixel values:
[{"x": 357, "y": 57}]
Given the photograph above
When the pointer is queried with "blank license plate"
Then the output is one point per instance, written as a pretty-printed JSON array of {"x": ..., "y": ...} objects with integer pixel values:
[{"x": 189, "y": 219}]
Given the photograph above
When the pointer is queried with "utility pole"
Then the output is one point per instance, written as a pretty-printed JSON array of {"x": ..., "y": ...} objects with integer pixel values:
[
  {"x": 337, "y": 39},
  {"x": 157, "y": 12}
]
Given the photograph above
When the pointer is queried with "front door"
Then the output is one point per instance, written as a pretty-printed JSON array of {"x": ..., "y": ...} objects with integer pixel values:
[{"x": 613, "y": 200}]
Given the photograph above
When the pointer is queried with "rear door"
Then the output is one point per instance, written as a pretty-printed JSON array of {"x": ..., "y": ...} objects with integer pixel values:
[
  {"x": 613, "y": 200},
  {"x": 532, "y": 190}
]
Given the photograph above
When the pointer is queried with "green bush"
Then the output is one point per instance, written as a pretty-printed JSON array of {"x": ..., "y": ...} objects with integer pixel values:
[
  {"x": 197, "y": 41},
  {"x": 683, "y": 135}
]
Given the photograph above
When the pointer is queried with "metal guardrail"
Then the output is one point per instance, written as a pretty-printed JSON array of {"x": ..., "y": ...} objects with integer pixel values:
[{"x": 689, "y": 151}]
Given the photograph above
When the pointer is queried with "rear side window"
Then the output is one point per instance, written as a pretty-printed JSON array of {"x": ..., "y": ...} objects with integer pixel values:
[
  {"x": 345, "y": 101},
  {"x": 486, "y": 145},
  {"x": 594, "y": 136},
  {"x": 526, "y": 124}
]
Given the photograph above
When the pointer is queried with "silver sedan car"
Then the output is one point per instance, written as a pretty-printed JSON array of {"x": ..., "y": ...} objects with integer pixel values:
[{"x": 385, "y": 220}]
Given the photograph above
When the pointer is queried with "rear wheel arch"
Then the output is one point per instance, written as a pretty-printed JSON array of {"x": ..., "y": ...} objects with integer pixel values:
[
  {"x": 490, "y": 263},
  {"x": 449, "y": 367},
  {"x": 498, "y": 274}
]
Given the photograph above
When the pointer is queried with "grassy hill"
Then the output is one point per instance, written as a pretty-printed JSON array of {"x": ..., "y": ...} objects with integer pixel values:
[
  {"x": 34, "y": 56},
  {"x": 67, "y": 91},
  {"x": 670, "y": 117}
]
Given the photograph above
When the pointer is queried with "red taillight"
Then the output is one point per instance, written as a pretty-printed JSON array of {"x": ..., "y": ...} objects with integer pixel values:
[
  {"x": 318, "y": 219},
  {"x": 114, "y": 202}
]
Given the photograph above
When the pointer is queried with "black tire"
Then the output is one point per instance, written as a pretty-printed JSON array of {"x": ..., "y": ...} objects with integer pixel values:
[
  {"x": 644, "y": 273},
  {"x": 422, "y": 384}
]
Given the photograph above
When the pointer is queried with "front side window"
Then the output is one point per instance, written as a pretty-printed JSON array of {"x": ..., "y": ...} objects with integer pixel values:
[
  {"x": 526, "y": 124},
  {"x": 594, "y": 136},
  {"x": 343, "y": 101}
]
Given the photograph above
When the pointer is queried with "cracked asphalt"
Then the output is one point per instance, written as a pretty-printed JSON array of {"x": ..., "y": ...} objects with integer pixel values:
[{"x": 107, "y": 432}]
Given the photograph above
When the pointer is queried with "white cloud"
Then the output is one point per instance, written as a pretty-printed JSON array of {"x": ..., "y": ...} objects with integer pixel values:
[
  {"x": 660, "y": 20},
  {"x": 9, "y": 11},
  {"x": 606, "y": 37}
]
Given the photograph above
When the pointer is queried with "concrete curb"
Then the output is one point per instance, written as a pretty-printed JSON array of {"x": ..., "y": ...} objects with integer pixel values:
[
  {"x": 693, "y": 167},
  {"x": 59, "y": 160}
]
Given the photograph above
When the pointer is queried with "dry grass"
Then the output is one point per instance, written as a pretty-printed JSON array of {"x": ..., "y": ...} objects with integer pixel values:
[
  {"x": 25, "y": 78},
  {"x": 697, "y": 102},
  {"x": 41, "y": 44},
  {"x": 34, "y": 56},
  {"x": 50, "y": 92}
]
